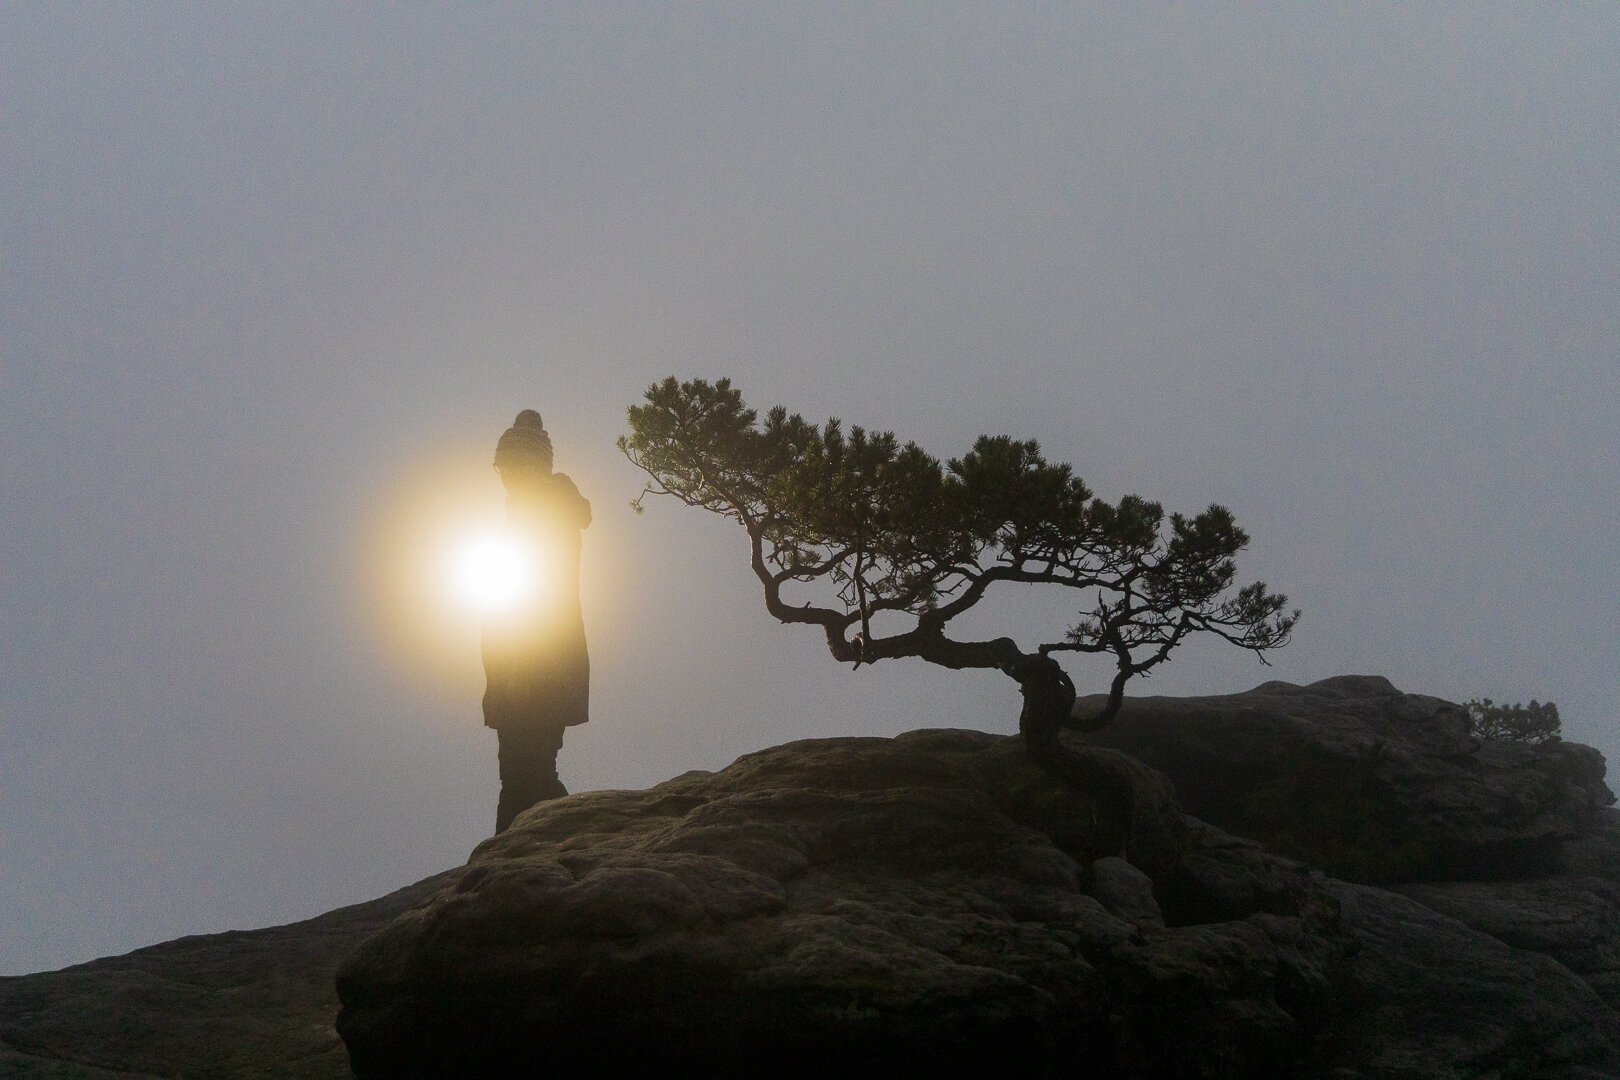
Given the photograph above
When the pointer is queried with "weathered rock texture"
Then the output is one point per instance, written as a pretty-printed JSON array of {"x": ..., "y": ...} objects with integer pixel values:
[
  {"x": 1425, "y": 996},
  {"x": 1364, "y": 782},
  {"x": 937, "y": 905},
  {"x": 257, "y": 1003},
  {"x": 912, "y": 906}
]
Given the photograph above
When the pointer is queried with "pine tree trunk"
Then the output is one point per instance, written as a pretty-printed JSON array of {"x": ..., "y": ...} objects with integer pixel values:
[{"x": 1049, "y": 698}]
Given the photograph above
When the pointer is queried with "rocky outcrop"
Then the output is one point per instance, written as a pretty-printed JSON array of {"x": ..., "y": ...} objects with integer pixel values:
[
  {"x": 250, "y": 1004},
  {"x": 932, "y": 904},
  {"x": 1425, "y": 997},
  {"x": 1364, "y": 782},
  {"x": 1574, "y": 920},
  {"x": 1573, "y": 917},
  {"x": 936, "y": 905}
]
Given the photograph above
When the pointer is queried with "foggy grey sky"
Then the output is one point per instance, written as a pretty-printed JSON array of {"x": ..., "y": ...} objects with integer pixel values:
[{"x": 273, "y": 279}]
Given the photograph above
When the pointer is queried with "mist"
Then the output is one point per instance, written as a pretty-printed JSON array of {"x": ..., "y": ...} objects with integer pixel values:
[{"x": 273, "y": 280}]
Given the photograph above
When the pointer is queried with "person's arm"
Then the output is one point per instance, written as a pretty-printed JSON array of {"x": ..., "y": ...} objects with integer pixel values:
[{"x": 568, "y": 495}]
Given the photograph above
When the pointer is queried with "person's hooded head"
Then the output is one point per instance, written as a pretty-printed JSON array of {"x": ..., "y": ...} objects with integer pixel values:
[{"x": 523, "y": 453}]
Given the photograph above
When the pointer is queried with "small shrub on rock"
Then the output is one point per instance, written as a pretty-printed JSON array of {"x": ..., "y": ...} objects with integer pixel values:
[{"x": 1536, "y": 722}]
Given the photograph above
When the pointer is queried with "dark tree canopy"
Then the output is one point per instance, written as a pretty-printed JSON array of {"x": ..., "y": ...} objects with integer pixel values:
[{"x": 882, "y": 546}]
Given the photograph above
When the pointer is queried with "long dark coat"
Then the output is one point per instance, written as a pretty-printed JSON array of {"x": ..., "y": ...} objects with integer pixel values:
[{"x": 539, "y": 672}]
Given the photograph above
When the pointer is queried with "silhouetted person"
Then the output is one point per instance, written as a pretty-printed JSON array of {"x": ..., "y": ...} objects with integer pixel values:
[{"x": 534, "y": 656}]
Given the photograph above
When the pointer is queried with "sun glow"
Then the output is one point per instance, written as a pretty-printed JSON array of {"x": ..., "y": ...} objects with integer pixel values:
[
  {"x": 416, "y": 567},
  {"x": 491, "y": 572}
]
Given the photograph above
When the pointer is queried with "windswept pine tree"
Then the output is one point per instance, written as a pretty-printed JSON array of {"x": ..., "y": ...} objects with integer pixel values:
[{"x": 882, "y": 546}]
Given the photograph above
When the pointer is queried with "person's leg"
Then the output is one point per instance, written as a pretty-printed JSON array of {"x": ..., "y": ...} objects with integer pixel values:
[
  {"x": 548, "y": 742},
  {"x": 528, "y": 771}
]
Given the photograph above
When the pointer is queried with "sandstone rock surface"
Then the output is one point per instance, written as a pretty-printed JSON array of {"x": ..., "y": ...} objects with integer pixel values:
[
  {"x": 905, "y": 907},
  {"x": 936, "y": 905},
  {"x": 1573, "y": 917},
  {"x": 1425, "y": 997},
  {"x": 249, "y": 1004},
  {"x": 1364, "y": 782}
]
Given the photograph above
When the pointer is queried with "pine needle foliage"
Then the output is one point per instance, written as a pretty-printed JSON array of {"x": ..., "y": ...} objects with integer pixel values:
[
  {"x": 1536, "y": 722},
  {"x": 851, "y": 527}
]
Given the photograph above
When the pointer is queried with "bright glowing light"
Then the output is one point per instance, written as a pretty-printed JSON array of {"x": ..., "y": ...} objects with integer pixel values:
[{"x": 493, "y": 573}]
